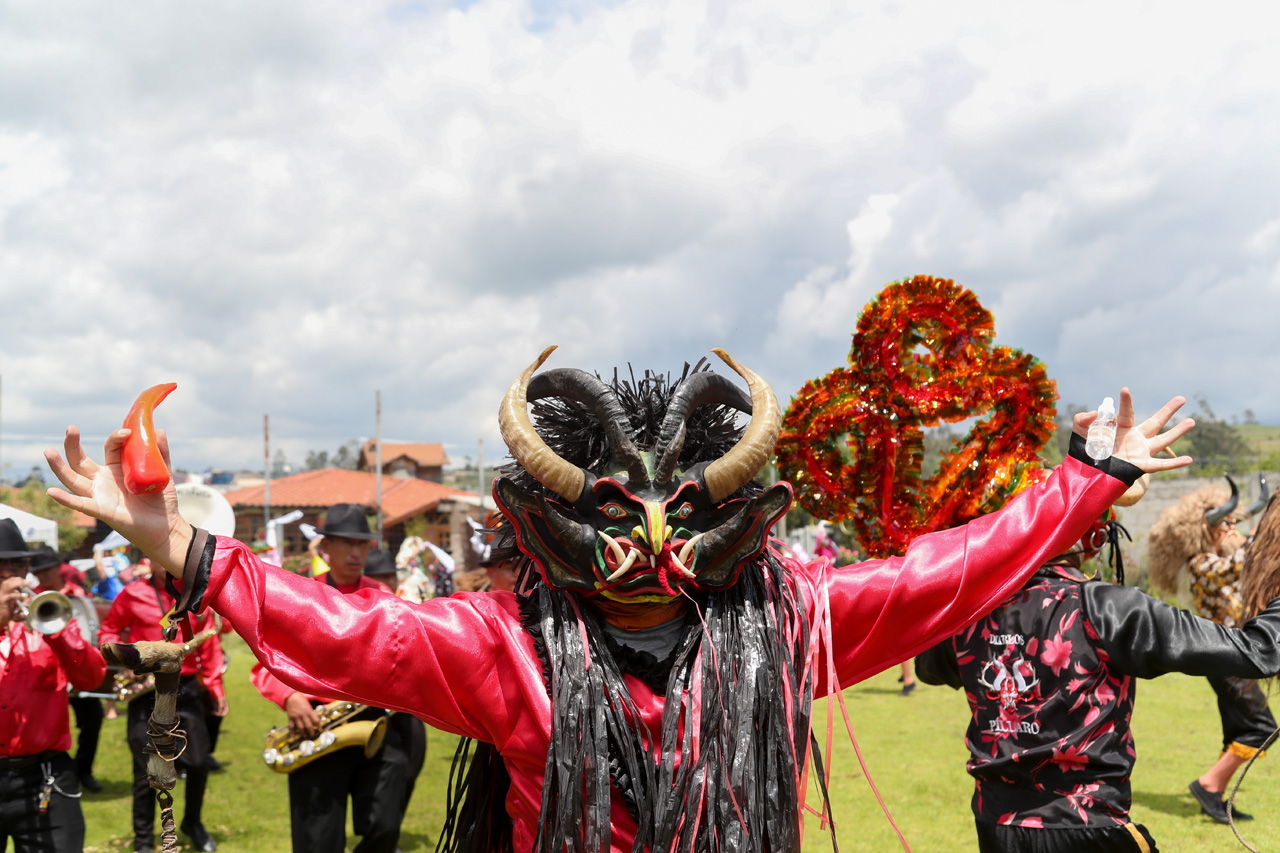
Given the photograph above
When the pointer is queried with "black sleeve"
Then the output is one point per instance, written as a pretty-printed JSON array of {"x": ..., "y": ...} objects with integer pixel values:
[
  {"x": 1123, "y": 471},
  {"x": 938, "y": 665},
  {"x": 1146, "y": 637}
]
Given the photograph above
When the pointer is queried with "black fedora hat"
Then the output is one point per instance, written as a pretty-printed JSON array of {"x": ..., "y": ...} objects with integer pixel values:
[
  {"x": 380, "y": 562},
  {"x": 347, "y": 521},
  {"x": 45, "y": 557},
  {"x": 12, "y": 545}
]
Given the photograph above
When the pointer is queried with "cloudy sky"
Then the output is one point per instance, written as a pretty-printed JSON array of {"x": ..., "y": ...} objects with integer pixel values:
[{"x": 285, "y": 204}]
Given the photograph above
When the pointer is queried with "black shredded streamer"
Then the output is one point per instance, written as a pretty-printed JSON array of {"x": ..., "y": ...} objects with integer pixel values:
[
  {"x": 739, "y": 791},
  {"x": 476, "y": 819}
]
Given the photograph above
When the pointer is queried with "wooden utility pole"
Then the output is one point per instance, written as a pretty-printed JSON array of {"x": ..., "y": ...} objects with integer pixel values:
[
  {"x": 480, "y": 457},
  {"x": 377, "y": 455},
  {"x": 266, "y": 473}
]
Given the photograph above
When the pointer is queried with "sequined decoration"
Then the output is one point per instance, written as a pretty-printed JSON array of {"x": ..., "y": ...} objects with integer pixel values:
[{"x": 852, "y": 441}]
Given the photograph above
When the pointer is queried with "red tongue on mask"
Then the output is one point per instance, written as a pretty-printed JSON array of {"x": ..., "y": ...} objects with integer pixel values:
[{"x": 666, "y": 568}]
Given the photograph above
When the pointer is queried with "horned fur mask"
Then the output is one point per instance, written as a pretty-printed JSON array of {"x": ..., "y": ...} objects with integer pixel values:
[{"x": 647, "y": 517}]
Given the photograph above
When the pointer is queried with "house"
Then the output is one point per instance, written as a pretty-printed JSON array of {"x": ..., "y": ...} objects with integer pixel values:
[
  {"x": 405, "y": 501},
  {"x": 417, "y": 461}
]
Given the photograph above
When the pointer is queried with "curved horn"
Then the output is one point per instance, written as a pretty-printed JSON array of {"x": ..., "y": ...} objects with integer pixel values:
[
  {"x": 728, "y": 473},
  {"x": 697, "y": 390},
  {"x": 527, "y": 447},
  {"x": 599, "y": 398},
  {"x": 1214, "y": 516},
  {"x": 1261, "y": 503}
]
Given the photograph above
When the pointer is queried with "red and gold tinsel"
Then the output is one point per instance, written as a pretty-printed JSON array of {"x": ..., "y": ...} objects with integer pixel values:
[{"x": 852, "y": 441}]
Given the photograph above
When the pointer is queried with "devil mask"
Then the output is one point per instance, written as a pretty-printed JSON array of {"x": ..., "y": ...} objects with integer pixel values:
[{"x": 648, "y": 517}]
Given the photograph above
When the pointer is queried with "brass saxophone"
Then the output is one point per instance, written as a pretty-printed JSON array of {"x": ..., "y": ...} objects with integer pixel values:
[
  {"x": 129, "y": 685},
  {"x": 285, "y": 751}
]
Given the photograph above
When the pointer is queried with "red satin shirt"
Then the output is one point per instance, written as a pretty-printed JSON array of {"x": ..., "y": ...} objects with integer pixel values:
[
  {"x": 464, "y": 663},
  {"x": 137, "y": 611},
  {"x": 34, "y": 672},
  {"x": 275, "y": 690}
]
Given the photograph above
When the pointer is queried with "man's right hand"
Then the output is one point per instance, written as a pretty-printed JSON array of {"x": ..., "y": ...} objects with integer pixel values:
[
  {"x": 10, "y": 595},
  {"x": 303, "y": 719}
]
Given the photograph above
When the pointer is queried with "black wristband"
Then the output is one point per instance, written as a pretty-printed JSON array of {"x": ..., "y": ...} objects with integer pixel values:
[
  {"x": 1125, "y": 472},
  {"x": 195, "y": 573}
]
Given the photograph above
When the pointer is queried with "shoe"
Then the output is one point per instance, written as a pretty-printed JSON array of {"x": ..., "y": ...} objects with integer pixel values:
[
  {"x": 907, "y": 688},
  {"x": 1210, "y": 803},
  {"x": 1239, "y": 815},
  {"x": 90, "y": 784},
  {"x": 143, "y": 847},
  {"x": 214, "y": 764},
  {"x": 200, "y": 838}
]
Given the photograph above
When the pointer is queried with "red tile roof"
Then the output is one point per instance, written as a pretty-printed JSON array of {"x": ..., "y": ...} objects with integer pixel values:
[
  {"x": 401, "y": 498},
  {"x": 425, "y": 455}
]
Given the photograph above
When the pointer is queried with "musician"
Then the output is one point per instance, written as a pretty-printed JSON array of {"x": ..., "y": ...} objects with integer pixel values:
[
  {"x": 138, "y": 609},
  {"x": 39, "y": 791},
  {"x": 381, "y": 566},
  {"x": 318, "y": 791},
  {"x": 47, "y": 566}
]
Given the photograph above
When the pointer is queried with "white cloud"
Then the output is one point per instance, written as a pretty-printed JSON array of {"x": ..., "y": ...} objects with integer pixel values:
[{"x": 284, "y": 206}]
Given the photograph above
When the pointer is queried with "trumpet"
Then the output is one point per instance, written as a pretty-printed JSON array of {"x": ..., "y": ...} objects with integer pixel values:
[
  {"x": 49, "y": 612},
  {"x": 285, "y": 751}
]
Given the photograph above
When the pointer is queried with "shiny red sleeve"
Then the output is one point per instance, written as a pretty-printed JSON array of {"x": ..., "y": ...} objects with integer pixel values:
[
  {"x": 82, "y": 662},
  {"x": 886, "y": 611},
  {"x": 463, "y": 664}
]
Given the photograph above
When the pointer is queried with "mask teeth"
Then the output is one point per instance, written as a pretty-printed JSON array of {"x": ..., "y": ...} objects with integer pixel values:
[
  {"x": 653, "y": 561},
  {"x": 626, "y": 565},
  {"x": 613, "y": 546},
  {"x": 687, "y": 550},
  {"x": 679, "y": 565}
]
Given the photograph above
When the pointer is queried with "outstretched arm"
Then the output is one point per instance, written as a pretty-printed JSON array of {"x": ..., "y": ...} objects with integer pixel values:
[
  {"x": 1147, "y": 638},
  {"x": 884, "y": 611},
  {"x": 447, "y": 661}
]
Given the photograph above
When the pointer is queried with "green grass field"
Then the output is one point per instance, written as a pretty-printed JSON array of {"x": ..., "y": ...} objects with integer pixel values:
[{"x": 913, "y": 747}]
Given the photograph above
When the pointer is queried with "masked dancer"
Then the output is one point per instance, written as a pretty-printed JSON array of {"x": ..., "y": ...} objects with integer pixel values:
[
  {"x": 650, "y": 685},
  {"x": 1194, "y": 546}
]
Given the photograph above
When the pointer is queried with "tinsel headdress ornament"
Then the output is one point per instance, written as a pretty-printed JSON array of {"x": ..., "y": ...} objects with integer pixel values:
[{"x": 852, "y": 441}]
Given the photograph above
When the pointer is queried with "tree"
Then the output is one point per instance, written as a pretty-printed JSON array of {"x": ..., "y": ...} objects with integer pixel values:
[
  {"x": 347, "y": 456},
  {"x": 1215, "y": 444},
  {"x": 280, "y": 466},
  {"x": 30, "y": 497}
]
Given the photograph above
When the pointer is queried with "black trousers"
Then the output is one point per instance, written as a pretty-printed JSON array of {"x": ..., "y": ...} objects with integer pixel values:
[
  {"x": 88, "y": 711},
  {"x": 993, "y": 838},
  {"x": 413, "y": 736},
  {"x": 58, "y": 830},
  {"x": 318, "y": 799},
  {"x": 195, "y": 759},
  {"x": 1246, "y": 719},
  {"x": 214, "y": 722}
]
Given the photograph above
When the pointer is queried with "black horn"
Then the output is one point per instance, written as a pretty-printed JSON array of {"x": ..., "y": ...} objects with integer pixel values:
[
  {"x": 1214, "y": 516},
  {"x": 1260, "y": 504},
  {"x": 700, "y": 389},
  {"x": 599, "y": 398}
]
